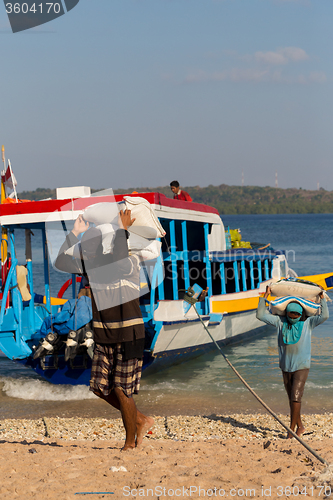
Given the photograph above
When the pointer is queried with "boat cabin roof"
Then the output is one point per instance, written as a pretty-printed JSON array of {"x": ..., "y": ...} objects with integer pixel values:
[{"x": 36, "y": 212}]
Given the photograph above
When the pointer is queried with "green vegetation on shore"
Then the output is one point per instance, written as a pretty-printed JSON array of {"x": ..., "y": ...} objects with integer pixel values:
[{"x": 236, "y": 199}]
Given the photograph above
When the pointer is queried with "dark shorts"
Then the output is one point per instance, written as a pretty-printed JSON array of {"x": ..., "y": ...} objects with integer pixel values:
[
  {"x": 294, "y": 383},
  {"x": 109, "y": 370}
]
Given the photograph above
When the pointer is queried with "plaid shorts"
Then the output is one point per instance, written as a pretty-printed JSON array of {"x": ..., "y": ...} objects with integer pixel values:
[{"x": 109, "y": 371}]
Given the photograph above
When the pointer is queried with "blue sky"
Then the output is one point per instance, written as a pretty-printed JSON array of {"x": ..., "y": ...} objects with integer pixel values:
[{"x": 122, "y": 93}]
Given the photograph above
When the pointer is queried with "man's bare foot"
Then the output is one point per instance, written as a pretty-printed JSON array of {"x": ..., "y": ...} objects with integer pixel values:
[
  {"x": 127, "y": 447},
  {"x": 300, "y": 430},
  {"x": 142, "y": 428},
  {"x": 289, "y": 435}
]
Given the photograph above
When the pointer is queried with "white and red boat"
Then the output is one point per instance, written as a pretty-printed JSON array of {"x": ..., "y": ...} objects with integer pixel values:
[{"x": 193, "y": 251}]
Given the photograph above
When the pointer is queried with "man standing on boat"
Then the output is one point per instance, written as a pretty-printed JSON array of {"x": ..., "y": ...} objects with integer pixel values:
[
  {"x": 179, "y": 194},
  {"x": 119, "y": 330}
]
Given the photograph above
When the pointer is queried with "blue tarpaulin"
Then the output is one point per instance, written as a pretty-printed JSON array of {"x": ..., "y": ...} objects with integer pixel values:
[{"x": 73, "y": 315}]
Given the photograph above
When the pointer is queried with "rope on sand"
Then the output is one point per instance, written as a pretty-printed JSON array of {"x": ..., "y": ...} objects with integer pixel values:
[{"x": 47, "y": 433}]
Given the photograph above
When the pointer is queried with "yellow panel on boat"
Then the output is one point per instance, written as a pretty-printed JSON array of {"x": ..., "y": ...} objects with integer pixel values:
[
  {"x": 324, "y": 280},
  {"x": 55, "y": 301},
  {"x": 247, "y": 304},
  {"x": 234, "y": 305}
]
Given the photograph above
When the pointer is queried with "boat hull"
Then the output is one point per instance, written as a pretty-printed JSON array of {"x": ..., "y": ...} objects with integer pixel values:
[
  {"x": 191, "y": 340},
  {"x": 176, "y": 344}
]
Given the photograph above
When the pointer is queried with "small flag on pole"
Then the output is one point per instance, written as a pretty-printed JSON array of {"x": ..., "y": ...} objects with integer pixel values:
[{"x": 9, "y": 179}]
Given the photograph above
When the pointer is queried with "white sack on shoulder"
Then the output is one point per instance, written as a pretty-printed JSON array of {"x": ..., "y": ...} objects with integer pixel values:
[
  {"x": 146, "y": 249},
  {"x": 102, "y": 213},
  {"x": 150, "y": 252},
  {"x": 143, "y": 213},
  {"x": 108, "y": 233},
  {"x": 278, "y": 306}
]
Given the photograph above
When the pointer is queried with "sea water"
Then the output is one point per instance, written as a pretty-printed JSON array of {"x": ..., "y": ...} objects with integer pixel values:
[{"x": 206, "y": 385}]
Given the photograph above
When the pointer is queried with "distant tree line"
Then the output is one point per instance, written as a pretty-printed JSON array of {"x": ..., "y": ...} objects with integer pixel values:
[
  {"x": 38, "y": 194},
  {"x": 235, "y": 199}
]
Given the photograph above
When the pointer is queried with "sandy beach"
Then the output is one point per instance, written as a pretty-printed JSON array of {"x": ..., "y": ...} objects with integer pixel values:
[{"x": 241, "y": 456}]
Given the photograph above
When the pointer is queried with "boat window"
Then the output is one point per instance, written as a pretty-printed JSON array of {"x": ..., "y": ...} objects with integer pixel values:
[
  {"x": 196, "y": 235},
  {"x": 270, "y": 268},
  {"x": 238, "y": 277},
  {"x": 216, "y": 278},
  {"x": 179, "y": 236},
  {"x": 194, "y": 231},
  {"x": 181, "y": 275},
  {"x": 255, "y": 274},
  {"x": 168, "y": 290},
  {"x": 197, "y": 272},
  {"x": 229, "y": 273},
  {"x": 266, "y": 266}
]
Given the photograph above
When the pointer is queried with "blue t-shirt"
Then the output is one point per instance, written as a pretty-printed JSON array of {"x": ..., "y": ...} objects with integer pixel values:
[{"x": 297, "y": 356}]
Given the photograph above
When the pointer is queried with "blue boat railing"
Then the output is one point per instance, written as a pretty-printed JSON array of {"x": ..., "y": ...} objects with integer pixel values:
[
  {"x": 30, "y": 278},
  {"x": 11, "y": 281},
  {"x": 6, "y": 291},
  {"x": 228, "y": 271}
]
